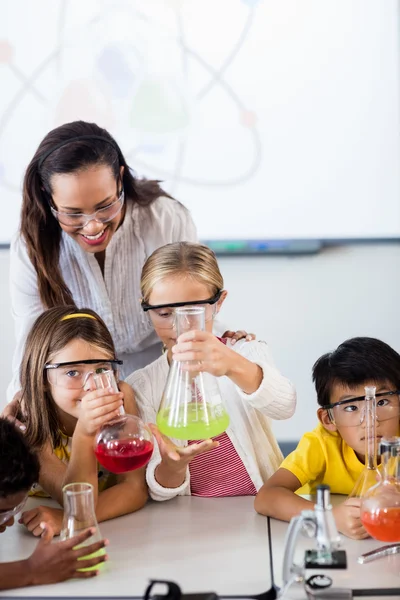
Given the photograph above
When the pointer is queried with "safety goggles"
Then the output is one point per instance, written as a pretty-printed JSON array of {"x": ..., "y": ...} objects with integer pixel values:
[
  {"x": 163, "y": 316},
  {"x": 74, "y": 375},
  {"x": 7, "y": 514},
  {"x": 351, "y": 412}
]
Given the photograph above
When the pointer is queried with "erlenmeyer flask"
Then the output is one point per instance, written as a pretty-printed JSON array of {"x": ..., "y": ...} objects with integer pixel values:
[
  {"x": 124, "y": 443},
  {"x": 370, "y": 475},
  {"x": 191, "y": 406},
  {"x": 79, "y": 515},
  {"x": 380, "y": 508}
]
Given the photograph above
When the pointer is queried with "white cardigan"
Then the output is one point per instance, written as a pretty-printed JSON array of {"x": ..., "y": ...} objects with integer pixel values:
[
  {"x": 249, "y": 430},
  {"x": 116, "y": 296}
]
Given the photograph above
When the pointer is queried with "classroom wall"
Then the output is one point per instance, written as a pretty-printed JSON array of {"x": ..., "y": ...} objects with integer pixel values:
[{"x": 302, "y": 306}]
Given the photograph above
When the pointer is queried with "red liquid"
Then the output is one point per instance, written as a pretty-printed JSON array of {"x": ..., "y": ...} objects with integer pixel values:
[
  {"x": 120, "y": 456},
  {"x": 383, "y": 525}
]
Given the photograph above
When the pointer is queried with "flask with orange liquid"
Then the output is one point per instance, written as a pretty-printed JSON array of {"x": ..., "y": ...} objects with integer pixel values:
[{"x": 380, "y": 508}]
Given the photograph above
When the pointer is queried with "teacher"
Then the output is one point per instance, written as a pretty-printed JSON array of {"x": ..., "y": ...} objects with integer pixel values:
[{"x": 87, "y": 226}]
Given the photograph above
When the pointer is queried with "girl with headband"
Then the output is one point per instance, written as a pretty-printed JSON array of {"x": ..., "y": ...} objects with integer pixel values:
[{"x": 63, "y": 410}]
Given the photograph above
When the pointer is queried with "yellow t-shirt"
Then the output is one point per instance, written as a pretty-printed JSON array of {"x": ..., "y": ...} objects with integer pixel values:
[
  {"x": 63, "y": 452},
  {"x": 323, "y": 457}
]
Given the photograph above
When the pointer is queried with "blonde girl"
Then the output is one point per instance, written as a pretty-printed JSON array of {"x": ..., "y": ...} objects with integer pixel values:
[
  {"x": 239, "y": 461},
  {"x": 62, "y": 412}
]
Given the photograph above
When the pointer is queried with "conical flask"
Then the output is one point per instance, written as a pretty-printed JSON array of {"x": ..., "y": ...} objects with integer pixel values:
[
  {"x": 380, "y": 508},
  {"x": 370, "y": 475},
  {"x": 191, "y": 406},
  {"x": 79, "y": 515},
  {"x": 124, "y": 443}
]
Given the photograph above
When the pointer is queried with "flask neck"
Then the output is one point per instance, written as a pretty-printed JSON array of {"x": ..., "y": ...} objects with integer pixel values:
[
  {"x": 79, "y": 505},
  {"x": 370, "y": 433},
  {"x": 188, "y": 318}
]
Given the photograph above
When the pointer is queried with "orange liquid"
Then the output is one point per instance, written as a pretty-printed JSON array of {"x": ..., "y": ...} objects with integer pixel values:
[{"x": 383, "y": 525}]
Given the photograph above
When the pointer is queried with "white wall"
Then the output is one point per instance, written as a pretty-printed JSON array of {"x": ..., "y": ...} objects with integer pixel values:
[{"x": 303, "y": 306}]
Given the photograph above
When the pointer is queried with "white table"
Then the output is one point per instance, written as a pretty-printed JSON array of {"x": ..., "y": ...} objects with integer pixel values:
[
  {"x": 218, "y": 545},
  {"x": 380, "y": 573}
]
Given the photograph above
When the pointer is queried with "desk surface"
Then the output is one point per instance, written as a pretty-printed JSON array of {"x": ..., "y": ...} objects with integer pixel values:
[
  {"x": 217, "y": 544},
  {"x": 384, "y": 573}
]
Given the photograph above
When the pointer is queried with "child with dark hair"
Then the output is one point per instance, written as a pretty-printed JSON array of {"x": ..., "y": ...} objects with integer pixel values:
[
  {"x": 49, "y": 563},
  {"x": 333, "y": 453}
]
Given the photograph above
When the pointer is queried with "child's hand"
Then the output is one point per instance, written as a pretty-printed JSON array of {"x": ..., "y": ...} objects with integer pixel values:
[
  {"x": 175, "y": 458},
  {"x": 34, "y": 518},
  {"x": 52, "y": 563},
  {"x": 348, "y": 519},
  {"x": 12, "y": 410},
  {"x": 235, "y": 336},
  {"x": 209, "y": 354},
  {"x": 98, "y": 408}
]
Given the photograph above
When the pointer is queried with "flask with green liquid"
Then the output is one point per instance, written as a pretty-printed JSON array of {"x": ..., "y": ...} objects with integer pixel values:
[
  {"x": 191, "y": 406},
  {"x": 79, "y": 515}
]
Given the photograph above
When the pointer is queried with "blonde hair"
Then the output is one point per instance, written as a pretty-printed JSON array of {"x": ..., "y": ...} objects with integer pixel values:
[
  {"x": 181, "y": 258},
  {"x": 50, "y": 333}
]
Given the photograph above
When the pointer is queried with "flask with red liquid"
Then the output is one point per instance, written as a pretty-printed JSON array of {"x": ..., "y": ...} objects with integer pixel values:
[
  {"x": 380, "y": 507},
  {"x": 124, "y": 443}
]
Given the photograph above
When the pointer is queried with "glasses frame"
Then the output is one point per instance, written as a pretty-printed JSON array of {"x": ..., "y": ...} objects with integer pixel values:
[
  {"x": 7, "y": 514},
  {"x": 91, "y": 361},
  {"x": 350, "y": 400},
  {"x": 93, "y": 216},
  {"x": 213, "y": 300}
]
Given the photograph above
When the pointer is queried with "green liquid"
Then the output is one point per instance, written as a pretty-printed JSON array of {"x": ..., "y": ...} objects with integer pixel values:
[
  {"x": 192, "y": 425},
  {"x": 100, "y": 552}
]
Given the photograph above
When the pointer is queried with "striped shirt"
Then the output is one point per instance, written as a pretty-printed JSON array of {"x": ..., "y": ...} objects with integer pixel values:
[{"x": 220, "y": 472}]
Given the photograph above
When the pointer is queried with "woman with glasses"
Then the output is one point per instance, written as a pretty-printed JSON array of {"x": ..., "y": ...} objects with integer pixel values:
[{"x": 87, "y": 225}]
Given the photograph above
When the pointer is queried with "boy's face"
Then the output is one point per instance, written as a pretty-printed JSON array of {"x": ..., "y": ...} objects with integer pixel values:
[
  {"x": 347, "y": 416},
  {"x": 10, "y": 506}
]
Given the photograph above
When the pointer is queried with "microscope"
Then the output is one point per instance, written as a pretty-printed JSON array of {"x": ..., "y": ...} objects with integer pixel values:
[{"x": 320, "y": 525}]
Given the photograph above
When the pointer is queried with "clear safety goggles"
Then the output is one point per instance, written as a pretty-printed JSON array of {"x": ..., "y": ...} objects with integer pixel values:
[
  {"x": 163, "y": 316},
  {"x": 74, "y": 375},
  {"x": 350, "y": 413},
  {"x": 6, "y": 515}
]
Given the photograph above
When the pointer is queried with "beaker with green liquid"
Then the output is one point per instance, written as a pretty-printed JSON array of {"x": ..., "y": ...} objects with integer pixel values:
[
  {"x": 79, "y": 516},
  {"x": 191, "y": 406}
]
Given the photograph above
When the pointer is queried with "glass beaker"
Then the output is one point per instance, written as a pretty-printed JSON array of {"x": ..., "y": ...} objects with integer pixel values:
[
  {"x": 79, "y": 515},
  {"x": 370, "y": 475},
  {"x": 191, "y": 406},
  {"x": 380, "y": 508},
  {"x": 125, "y": 443}
]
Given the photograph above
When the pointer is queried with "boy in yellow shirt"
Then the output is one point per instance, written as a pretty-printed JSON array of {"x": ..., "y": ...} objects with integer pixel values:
[{"x": 333, "y": 453}]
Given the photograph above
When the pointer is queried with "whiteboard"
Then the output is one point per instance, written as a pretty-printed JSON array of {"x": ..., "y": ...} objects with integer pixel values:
[{"x": 269, "y": 119}]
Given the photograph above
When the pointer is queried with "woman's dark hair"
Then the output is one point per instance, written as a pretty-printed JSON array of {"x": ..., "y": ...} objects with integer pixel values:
[
  {"x": 57, "y": 155},
  {"x": 50, "y": 333},
  {"x": 353, "y": 363},
  {"x": 19, "y": 465}
]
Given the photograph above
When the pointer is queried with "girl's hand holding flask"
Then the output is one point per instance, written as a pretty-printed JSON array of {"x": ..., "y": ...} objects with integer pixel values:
[
  {"x": 98, "y": 407},
  {"x": 171, "y": 472}
]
